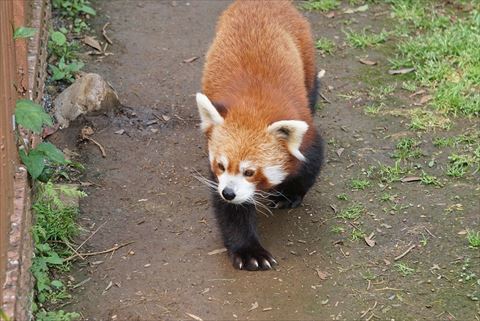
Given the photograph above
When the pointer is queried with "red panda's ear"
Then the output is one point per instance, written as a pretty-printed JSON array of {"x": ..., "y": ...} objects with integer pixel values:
[
  {"x": 292, "y": 131},
  {"x": 209, "y": 115}
]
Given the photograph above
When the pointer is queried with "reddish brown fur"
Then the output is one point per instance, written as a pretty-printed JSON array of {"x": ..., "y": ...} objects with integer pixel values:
[{"x": 260, "y": 67}]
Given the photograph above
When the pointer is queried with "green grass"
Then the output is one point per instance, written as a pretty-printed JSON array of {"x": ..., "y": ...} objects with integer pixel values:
[
  {"x": 373, "y": 109},
  {"x": 427, "y": 179},
  {"x": 352, "y": 212},
  {"x": 325, "y": 46},
  {"x": 342, "y": 197},
  {"x": 337, "y": 230},
  {"x": 444, "y": 54},
  {"x": 387, "y": 197},
  {"x": 459, "y": 165},
  {"x": 404, "y": 269},
  {"x": 320, "y": 5},
  {"x": 423, "y": 120},
  {"x": 473, "y": 239},
  {"x": 393, "y": 173},
  {"x": 407, "y": 148},
  {"x": 359, "y": 184},
  {"x": 357, "y": 235},
  {"x": 365, "y": 39}
]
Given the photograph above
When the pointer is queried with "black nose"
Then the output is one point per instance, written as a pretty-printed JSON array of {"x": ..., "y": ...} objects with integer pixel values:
[{"x": 228, "y": 193}]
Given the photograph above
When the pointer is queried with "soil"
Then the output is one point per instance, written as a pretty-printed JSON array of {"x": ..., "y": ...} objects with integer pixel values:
[{"x": 145, "y": 192}]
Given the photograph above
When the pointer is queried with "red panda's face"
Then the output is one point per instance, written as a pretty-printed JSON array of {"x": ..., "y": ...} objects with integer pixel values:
[{"x": 247, "y": 156}]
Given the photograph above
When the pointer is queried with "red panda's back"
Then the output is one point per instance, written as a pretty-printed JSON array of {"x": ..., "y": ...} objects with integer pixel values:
[{"x": 263, "y": 49}]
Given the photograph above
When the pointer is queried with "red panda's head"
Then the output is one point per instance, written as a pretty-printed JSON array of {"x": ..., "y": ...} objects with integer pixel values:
[{"x": 248, "y": 155}]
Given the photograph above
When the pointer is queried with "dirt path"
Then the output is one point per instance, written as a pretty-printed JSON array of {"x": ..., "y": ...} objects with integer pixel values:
[{"x": 144, "y": 191}]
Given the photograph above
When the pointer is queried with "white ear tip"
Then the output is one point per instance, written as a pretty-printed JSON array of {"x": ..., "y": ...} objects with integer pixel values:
[{"x": 298, "y": 155}]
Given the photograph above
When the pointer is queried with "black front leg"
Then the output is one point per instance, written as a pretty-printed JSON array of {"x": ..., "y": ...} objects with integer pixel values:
[{"x": 239, "y": 232}]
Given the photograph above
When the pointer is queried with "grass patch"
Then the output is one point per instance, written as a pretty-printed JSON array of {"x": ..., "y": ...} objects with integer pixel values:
[
  {"x": 444, "y": 55},
  {"x": 423, "y": 120},
  {"x": 427, "y": 179},
  {"x": 55, "y": 226},
  {"x": 473, "y": 239},
  {"x": 393, "y": 173},
  {"x": 365, "y": 39},
  {"x": 460, "y": 164},
  {"x": 325, "y": 46},
  {"x": 404, "y": 269},
  {"x": 352, "y": 212},
  {"x": 359, "y": 184},
  {"x": 373, "y": 109},
  {"x": 320, "y": 5},
  {"x": 342, "y": 197},
  {"x": 407, "y": 148}
]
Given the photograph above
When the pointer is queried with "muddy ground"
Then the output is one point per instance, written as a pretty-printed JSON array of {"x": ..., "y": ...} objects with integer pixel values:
[{"x": 145, "y": 192}]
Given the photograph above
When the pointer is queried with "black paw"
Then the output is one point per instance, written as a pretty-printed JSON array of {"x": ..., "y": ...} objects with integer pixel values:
[
  {"x": 282, "y": 202},
  {"x": 253, "y": 259}
]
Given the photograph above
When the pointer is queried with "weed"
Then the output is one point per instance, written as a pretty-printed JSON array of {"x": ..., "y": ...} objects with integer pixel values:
[
  {"x": 429, "y": 179},
  {"x": 381, "y": 92},
  {"x": 352, "y": 212},
  {"x": 445, "y": 56},
  {"x": 459, "y": 165},
  {"x": 473, "y": 239},
  {"x": 392, "y": 174},
  {"x": 359, "y": 184},
  {"x": 387, "y": 197},
  {"x": 325, "y": 45},
  {"x": 342, "y": 197},
  {"x": 423, "y": 120},
  {"x": 407, "y": 148},
  {"x": 73, "y": 8},
  {"x": 321, "y": 5},
  {"x": 337, "y": 229},
  {"x": 409, "y": 86},
  {"x": 373, "y": 109},
  {"x": 357, "y": 235},
  {"x": 363, "y": 39},
  {"x": 404, "y": 269}
]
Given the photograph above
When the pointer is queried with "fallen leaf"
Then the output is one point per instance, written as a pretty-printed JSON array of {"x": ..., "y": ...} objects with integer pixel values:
[
  {"x": 193, "y": 316},
  {"x": 120, "y": 132},
  {"x": 401, "y": 71},
  {"x": 190, "y": 60},
  {"x": 369, "y": 240},
  {"x": 422, "y": 91},
  {"x": 425, "y": 99},
  {"x": 253, "y": 307},
  {"x": 411, "y": 179},
  {"x": 358, "y": 9},
  {"x": 339, "y": 151},
  {"x": 217, "y": 251},
  {"x": 322, "y": 275},
  {"x": 92, "y": 42},
  {"x": 367, "y": 62}
]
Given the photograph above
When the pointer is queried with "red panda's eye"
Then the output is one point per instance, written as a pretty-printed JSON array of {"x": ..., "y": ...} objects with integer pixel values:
[
  {"x": 221, "y": 167},
  {"x": 248, "y": 173}
]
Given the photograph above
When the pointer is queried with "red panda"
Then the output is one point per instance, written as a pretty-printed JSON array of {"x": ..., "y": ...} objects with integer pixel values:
[{"x": 259, "y": 90}]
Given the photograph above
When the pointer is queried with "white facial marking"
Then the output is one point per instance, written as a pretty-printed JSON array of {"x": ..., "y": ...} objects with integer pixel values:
[
  {"x": 223, "y": 160},
  {"x": 275, "y": 174},
  {"x": 242, "y": 188},
  {"x": 244, "y": 165},
  {"x": 208, "y": 113}
]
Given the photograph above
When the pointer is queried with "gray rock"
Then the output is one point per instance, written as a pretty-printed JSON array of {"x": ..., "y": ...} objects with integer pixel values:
[{"x": 89, "y": 94}]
